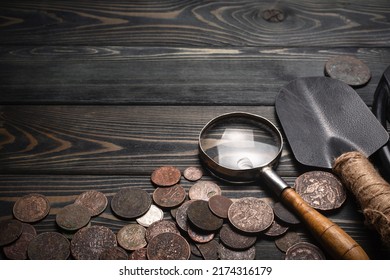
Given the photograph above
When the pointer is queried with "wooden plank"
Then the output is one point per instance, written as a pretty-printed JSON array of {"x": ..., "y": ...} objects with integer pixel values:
[
  {"x": 62, "y": 190},
  {"x": 166, "y": 76},
  {"x": 195, "y": 23}
]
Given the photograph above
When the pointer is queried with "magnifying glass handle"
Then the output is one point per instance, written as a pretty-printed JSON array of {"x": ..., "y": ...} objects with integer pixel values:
[{"x": 333, "y": 238}]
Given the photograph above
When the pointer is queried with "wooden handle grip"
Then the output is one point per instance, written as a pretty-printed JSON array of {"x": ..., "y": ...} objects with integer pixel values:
[{"x": 332, "y": 238}]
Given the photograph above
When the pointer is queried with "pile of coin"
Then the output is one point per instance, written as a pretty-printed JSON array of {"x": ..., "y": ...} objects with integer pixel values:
[{"x": 206, "y": 224}]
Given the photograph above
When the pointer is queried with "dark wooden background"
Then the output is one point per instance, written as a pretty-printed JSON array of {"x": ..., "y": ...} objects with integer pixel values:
[{"x": 97, "y": 94}]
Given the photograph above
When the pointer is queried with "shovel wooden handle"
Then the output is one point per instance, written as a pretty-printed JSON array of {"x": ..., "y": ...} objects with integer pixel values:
[{"x": 334, "y": 239}]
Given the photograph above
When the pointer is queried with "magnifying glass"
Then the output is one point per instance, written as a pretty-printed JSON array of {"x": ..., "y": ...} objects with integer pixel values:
[{"x": 243, "y": 147}]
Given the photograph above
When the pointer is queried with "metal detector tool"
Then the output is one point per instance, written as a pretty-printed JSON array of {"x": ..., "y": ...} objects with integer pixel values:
[{"x": 242, "y": 147}]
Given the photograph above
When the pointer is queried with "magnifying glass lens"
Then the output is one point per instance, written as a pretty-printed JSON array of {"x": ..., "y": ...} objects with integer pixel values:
[{"x": 240, "y": 143}]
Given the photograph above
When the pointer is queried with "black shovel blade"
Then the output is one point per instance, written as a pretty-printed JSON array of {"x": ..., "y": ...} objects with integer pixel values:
[{"x": 324, "y": 118}]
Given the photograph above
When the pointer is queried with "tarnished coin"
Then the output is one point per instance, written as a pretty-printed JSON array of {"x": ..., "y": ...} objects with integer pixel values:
[
  {"x": 166, "y": 176},
  {"x": 195, "y": 250},
  {"x": 348, "y": 69},
  {"x": 209, "y": 250},
  {"x": 139, "y": 254},
  {"x": 130, "y": 203},
  {"x": 96, "y": 202},
  {"x": 193, "y": 173},
  {"x": 321, "y": 190},
  {"x": 219, "y": 205},
  {"x": 181, "y": 215},
  {"x": 169, "y": 196},
  {"x": 31, "y": 208},
  {"x": 49, "y": 246},
  {"x": 73, "y": 217},
  {"x": 287, "y": 240},
  {"x": 10, "y": 230},
  {"x": 154, "y": 214},
  {"x": 89, "y": 242},
  {"x": 17, "y": 250},
  {"x": 276, "y": 229},
  {"x": 228, "y": 254},
  {"x": 201, "y": 217},
  {"x": 168, "y": 246},
  {"x": 132, "y": 237},
  {"x": 304, "y": 251},
  {"x": 285, "y": 214},
  {"x": 203, "y": 190},
  {"x": 234, "y": 239},
  {"x": 250, "y": 214},
  {"x": 114, "y": 253},
  {"x": 159, "y": 227},
  {"x": 200, "y": 236}
]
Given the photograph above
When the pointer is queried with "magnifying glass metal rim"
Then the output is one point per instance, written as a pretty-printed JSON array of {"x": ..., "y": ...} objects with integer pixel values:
[{"x": 238, "y": 175}]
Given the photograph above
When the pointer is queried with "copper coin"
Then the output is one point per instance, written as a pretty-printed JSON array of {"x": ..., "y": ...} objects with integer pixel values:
[
  {"x": 31, "y": 208},
  {"x": 195, "y": 250},
  {"x": 96, "y": 202},
  {"x": 285, "y": 214},
  {"x": 114, "y": 253},
  {"x": 304, "y": 251},
  {"x": 70, "y": 233},
  {"x": 193, "y": 173},
  {"x": 159, "y": 227},
  {"x": 209, "y": 250},
  {"x": 132, "y": 237},
  {"x": 154, "y": 214},
  {"x": 228, "y": 254},
  {"x": 287, "y": 240},
  {"x": 73, "y": 217},
  {"x": 168, "y": 246},
  {"x": 321, "y": 190},
  {"x": 10, "y": 230},
  {"x": 181, "y": 215},
  {"x": 250, "y": 214},
  {"x": 276, "y": 229},
  {"x": 130, "y": 203},
  {"x": 139, "y": 254},
  {"x": 166, "y": 176},
  {"x": 234, "y": 239},
  {"x": 169, "y": 196},
  {"x": 203, "y": 190},
  {"x": 219, "y": 205},
  {"x": 348, "y": 69},
  {"x": 89, "y": 242},
  {"x": 201, "y": 217},
  {"x": 49, "y": 246},
  {"x": 200, "y": 236},
  {"x": 18, "y": 249}
]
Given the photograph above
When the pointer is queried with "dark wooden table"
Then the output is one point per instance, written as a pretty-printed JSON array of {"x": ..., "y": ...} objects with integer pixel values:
[{"x": 95, "y": 95}]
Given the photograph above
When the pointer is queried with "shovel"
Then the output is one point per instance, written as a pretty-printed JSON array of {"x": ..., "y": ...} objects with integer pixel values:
[{"x": 329, "y": 126}]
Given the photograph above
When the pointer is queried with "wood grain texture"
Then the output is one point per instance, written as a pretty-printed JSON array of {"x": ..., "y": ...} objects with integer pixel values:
[
  {"x": 166, "y": 76},
  {"x": 195, "y": 23}
]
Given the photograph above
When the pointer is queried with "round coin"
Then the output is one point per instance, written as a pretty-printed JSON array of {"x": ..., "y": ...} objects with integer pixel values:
[
  {"x": 202, "y": 218},
  {"x": 31, "y": 208},
  {"x": 168, "y": 246},
  {"x": 321, "y": 190},
  {"x": 285, "y": 214},
  {"x": 181, "y": 215},
  {"x": 304, "y": 251},
  {"x": 18, "y": 249},
  {"x": 165, "y": 176},
  {"x": 132, "y": 237},
  {"x": 89, "y": 242},
  {"x": 228, "y": 254},
  {"x": 193, "y": 173},
  {"x": 113, "y": 253},
  {"x": 73, "y": 217},
  {"x": 49, "y": 246},
  {"x": 276, "y": 229},
  {"x": 234, "y": 239},
  {"x": 160, "y": 227},
  {"x": 203, "y": 190},
  {"x": 348, "y": 69},
  {"x": 130, "y": 203},
  {"x": 169, "y": 196},
  {"x": 96, "y": 202},
  {"x": 154, "y": 214},
  {"x": 139, "y": 254},
  {"x": 219, "y": 205},
  {"x": 250, "y": 214},
  {"x": 10, "y": 230},
  {"x": 209, "y": 250},
  {"x": 287, "y": 240},
  {"x": 200, "y": 236}
]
